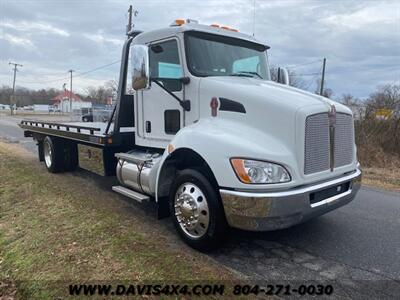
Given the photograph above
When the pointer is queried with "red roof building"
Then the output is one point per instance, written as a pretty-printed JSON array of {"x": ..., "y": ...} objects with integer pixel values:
[
  {"x": 65, "y": 96},
  {"x": 61, "y": 102}
]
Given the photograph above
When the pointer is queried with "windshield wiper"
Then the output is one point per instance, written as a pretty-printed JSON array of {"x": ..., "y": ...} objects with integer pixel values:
[
  {"x": 248, "y": 72},
  {"x": 241, "y": 75}
]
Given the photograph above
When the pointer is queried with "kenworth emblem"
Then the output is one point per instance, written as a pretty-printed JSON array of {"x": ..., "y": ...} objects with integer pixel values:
[
  {"x": 332, "y": 115},
  {"x": 332, "y": 125}
]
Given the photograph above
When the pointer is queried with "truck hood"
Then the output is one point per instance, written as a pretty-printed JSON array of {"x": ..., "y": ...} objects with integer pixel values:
[
  {"x": 252, "y": 90},
  {"x": 274, "y": 113}
]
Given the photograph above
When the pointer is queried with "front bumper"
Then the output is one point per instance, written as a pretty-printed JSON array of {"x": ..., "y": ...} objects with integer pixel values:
[{"x": 263, "y": 211}]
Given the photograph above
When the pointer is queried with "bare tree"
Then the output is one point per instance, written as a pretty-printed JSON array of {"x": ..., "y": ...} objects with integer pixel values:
[
  {"x": 378, "y": 134},
  {"x": 100, "y": 94},
  {"x": 26, "y": 96},
  {"x": 327, "y": 92},
  {"x": 349, "y": 100},
  {"x": 387, "y": 96},
  {"x": 294, "y": 79},
  {"x": 112, "y": 87}
]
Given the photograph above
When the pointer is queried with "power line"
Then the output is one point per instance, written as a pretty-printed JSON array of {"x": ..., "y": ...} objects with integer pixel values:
[
  {"x": 304, "y": 64},
  {"x": 79, "y": 75},
  {"x": 312, "y": 80},
  {"x": 309, "y": 74},
  {"x": 52, "y": 74},
  {"x": 98, "y": 68},
  {"x": 46, "y": 81}
]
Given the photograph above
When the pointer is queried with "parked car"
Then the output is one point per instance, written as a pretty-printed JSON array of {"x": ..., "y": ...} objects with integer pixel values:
[{"x": 87, "y": 118}]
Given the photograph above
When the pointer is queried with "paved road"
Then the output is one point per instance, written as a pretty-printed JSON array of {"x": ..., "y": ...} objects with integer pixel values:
[
  {"x": 357, "y": 246},
  {"x": 12, "y": 133}
]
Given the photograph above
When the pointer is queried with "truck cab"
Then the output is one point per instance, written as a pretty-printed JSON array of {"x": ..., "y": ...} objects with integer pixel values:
[
  {"x": 180, "y": 58},
  {"x": 217, "y": 144}
]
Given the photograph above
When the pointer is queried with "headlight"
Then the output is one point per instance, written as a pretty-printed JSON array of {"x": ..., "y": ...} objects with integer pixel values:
[{"x": 255, "y": 171}]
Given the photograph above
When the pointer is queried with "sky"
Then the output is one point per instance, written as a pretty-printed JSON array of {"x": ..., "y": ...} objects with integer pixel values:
[{"x": 360, "y": 39}]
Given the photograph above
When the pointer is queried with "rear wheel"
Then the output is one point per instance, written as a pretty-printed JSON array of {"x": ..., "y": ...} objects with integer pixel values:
[
  {"x": 59, "y": 155},
  {"x": 51, "y": 158},
  {"x": 197, "y": 211}
]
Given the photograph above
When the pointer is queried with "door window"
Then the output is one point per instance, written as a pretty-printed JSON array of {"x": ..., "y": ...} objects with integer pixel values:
[{"x": 165, "y": 65}]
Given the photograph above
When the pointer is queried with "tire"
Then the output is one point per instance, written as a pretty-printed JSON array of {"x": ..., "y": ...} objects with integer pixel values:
[
  {"x": 40, "y": 150},
  {"x": 59, "y": 155},
  {"x": 52, "y": 155},
  {"x": 193, "y": 196},
  {"x": 70, "y": 157}
]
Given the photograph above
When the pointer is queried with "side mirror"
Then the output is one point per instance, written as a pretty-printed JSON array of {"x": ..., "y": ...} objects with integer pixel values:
[
  {"x": 140, "y": 65},
  {"x": 283, "y": 76}
]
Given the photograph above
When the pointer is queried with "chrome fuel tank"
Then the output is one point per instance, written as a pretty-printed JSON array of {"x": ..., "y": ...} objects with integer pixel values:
[{"x": 138, "y": 170}]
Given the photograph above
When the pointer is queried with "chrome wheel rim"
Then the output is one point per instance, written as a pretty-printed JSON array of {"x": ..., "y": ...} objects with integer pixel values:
[
  {"x": 47, "y": 153},
  {"x": 191, "y": 210}
]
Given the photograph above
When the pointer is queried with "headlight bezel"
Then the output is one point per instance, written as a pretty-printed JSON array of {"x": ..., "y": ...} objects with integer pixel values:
[{"x": 237, "y": 172}]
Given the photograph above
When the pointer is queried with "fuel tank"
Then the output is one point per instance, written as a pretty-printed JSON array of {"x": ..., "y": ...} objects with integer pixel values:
[{"x": 138, "y": 171}]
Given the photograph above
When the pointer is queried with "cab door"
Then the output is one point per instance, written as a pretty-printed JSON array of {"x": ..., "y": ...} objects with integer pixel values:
[{"x": 162, "y": 115}]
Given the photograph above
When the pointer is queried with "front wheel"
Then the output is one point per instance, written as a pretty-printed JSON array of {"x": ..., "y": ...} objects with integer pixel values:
[{"x": 197, "y": 211}]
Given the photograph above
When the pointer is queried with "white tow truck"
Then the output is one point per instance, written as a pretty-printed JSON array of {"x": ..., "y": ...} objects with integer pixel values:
[{"x": 200, "y": 128}]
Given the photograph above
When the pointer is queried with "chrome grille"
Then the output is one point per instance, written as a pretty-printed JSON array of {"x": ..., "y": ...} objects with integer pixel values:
[
  {"x": 344, "y": 140},
  {"x": 317, "y": 142}
]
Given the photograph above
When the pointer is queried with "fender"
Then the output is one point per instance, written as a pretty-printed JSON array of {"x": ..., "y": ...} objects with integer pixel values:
[{"x": 217, "y": 140}]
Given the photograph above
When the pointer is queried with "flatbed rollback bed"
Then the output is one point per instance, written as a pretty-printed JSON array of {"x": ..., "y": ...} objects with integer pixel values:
[{"x": 78, "y": 140}]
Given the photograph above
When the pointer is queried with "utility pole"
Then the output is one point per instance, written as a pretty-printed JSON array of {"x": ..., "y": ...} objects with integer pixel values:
[
  {"x": 12, "y": 100},
  {"x": 321, "y": 91},
  {"x": 70, "y": 94},
  {"x": 129, "y": 26}
]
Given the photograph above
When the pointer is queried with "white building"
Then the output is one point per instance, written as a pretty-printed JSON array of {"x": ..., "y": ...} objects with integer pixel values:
[
  {"x": 61, "y": 102},
  {"x": 41, "y": 107}
]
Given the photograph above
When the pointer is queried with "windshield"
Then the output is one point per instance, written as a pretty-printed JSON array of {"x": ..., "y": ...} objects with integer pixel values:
[{"x": 216, "y": 55}]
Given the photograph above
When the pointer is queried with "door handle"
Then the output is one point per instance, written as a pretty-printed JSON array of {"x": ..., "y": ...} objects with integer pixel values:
[{"x": 148, "y": 126}]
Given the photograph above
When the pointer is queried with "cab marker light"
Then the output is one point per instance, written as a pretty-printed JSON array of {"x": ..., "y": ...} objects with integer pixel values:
[{"x": 178, "y": 22}]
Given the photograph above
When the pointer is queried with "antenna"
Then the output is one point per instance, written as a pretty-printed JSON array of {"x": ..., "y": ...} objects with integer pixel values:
[
  {"x": 321, "y": 91},
  {"x": 254, "y": 16}
]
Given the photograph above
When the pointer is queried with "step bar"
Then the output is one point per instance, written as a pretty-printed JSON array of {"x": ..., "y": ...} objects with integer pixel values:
[
  {"x": 132, "y": 159},
  {"x": 130, "y": 193}
]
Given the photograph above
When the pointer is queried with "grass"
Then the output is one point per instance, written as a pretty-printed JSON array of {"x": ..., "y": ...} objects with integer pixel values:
[
  {"x": 55, "y": 228},
  {"x": 384, "y": 178}
]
